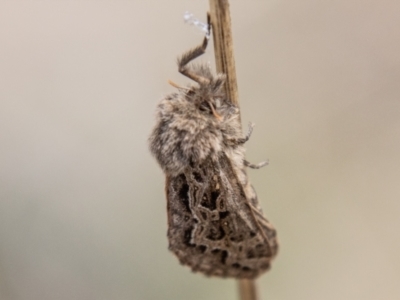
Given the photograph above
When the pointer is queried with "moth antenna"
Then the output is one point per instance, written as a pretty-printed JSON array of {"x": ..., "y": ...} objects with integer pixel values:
[{"x": 175, "y": 85}]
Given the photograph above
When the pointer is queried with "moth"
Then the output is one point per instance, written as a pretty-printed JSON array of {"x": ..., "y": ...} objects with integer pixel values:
[{"x": 215, "y": 223}]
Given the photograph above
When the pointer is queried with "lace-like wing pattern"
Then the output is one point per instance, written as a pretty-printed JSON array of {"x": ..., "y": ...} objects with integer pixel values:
[{"x": 212, "y": 225}]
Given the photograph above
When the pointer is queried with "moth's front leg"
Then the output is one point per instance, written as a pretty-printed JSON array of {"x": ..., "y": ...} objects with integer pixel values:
[{"x": 241, "y": 141}]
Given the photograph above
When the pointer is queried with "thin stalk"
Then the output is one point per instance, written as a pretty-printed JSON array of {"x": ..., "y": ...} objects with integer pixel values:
[{"x": 225, "y": 61}]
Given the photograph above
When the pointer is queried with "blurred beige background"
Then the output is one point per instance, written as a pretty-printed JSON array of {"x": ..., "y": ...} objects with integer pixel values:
[{"x": 82, "y": 208}]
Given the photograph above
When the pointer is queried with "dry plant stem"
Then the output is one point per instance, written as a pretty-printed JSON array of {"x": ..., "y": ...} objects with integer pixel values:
[
  {"x": 247, "y": 289},
  {"x": 223, "y": 48}
]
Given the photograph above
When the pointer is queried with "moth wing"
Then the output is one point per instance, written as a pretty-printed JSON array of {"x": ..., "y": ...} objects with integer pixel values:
[{"x": 213, "y": 227}]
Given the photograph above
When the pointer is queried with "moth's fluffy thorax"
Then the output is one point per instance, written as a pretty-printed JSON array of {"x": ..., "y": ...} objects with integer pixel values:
[{"x": 187, "y": 132}]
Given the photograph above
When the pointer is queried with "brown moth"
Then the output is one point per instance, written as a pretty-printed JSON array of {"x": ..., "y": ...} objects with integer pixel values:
[{"x": 215, "y": 223}]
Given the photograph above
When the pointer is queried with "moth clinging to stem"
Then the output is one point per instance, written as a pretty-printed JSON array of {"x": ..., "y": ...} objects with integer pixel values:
[{"x": 215, "y": 223}]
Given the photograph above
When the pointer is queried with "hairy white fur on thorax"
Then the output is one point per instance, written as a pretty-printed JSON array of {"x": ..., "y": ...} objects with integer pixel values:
[{"x": 184, "y": 135}]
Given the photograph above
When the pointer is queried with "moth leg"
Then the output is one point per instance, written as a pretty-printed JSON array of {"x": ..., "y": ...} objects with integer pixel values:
[
  {"x": 191, "y": 55},
  {"x": 247, "y": 136},
  {"x": 257, "y": 166}
]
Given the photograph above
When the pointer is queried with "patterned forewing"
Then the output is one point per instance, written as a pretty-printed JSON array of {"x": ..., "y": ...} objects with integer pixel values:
[{"x": 213, "y": 227}]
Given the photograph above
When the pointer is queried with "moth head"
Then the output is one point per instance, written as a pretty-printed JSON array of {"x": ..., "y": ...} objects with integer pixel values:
[
  {"x": 209, "y": 106},
  {"x": 209, "y": 95},
  {"x": 204, "y": 101}
]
